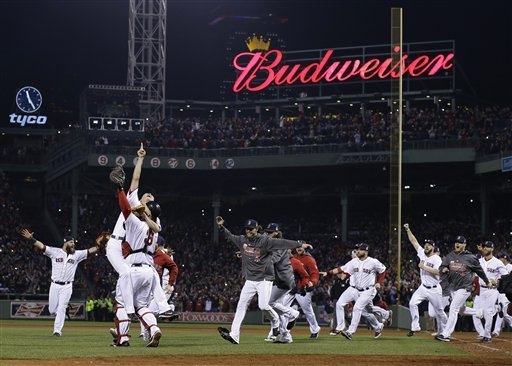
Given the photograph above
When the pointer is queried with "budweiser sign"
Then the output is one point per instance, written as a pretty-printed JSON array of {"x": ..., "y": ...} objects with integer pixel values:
[{"x": 260, "y": 70}]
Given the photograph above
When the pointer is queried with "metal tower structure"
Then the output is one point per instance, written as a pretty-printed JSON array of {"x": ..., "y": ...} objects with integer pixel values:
[{"x": 147, "y": 54}]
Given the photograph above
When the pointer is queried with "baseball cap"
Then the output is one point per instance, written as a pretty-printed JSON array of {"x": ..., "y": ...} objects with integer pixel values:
[
  {"x": 460, "y": 239},
  {"x": 431, "y": 242},
  {"x": 504, "y": 256},
  {"x": 160, "y": 241},
  {"x": 362, "y": 246},
  {"x": 251, "y": 224},
  {"x": 272, "y": 227},
  {"x": 68, "y": 238},
  {"x": 488, "y": 244}
]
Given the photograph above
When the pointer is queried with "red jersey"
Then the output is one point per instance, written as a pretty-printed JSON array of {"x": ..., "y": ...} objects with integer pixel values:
[
  {"x": 300, "y": 273},
  {"x": 310, "y": 264},
  {"x": 163, "y": 260}
]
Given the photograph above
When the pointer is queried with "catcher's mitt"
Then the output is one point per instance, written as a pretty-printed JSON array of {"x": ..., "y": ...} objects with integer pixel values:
[
  {"x": 117, "y": 176},
  {"x": 102, "y": 240},
  {"x": 138, "y": 210}
]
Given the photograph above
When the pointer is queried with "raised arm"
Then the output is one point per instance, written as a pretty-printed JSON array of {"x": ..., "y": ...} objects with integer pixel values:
[
  {"x": 141, "y": 153},
  {"x": 411, "y": 237},
  {"x": 30, "y": 236}
]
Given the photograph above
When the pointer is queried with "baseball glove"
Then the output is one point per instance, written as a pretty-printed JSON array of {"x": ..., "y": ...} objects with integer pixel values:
[
  {"x": 117, "y": 176},
  {"x": 138, "y": 210},
  {"x": 102, "y": 240}
]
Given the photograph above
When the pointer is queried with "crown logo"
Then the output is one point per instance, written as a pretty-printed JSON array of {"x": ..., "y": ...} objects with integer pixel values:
[{"x": 257, "y": 44}]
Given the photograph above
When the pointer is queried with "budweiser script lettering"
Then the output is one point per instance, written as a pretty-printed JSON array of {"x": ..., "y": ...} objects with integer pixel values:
[{"x": 260, "y": 70}]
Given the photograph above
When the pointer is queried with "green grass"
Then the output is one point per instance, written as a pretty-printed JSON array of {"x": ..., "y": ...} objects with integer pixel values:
[{"x": 33, "y": 339}]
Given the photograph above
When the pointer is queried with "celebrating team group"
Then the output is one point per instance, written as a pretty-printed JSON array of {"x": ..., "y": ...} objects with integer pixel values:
[{"x": 280, "y": 272}]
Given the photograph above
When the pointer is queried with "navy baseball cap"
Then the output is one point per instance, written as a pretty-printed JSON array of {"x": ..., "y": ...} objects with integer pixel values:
[
  {"x": 460, "y": 239},
  {"x": 488, "y": 244},
  {"x": 68, "y": 238},
  {"x": 251, "y": 224},
  {"x": 272, "y": 227},
  {"x": 504, "y": 256},
  {"x": 431, "y": 242},
  {"x": 362, "y": 246}
]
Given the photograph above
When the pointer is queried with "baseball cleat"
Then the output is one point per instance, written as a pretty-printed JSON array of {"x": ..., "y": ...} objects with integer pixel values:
[
  {"x": 283, "y": 340},
  {"x": 346, "y": 334},
  {"x": 389, "y": 320},
  {"x": 411, "y": 333},
  {"x": 291, "y": 323},
  {"x": 270, "y": 338},
  {"x": 335, "y": 332},
  {"x": 495, "y": 335},
  {"x": 155, "y": 339},
  {"x": 57, "y": 334},
  {"x": 441, "y": 337},
  {"x": 486, "y": 340},
  {"x": 124, "y": 344},
  {"x": 377, "y": 334},
  {"x": 224, "y": 333},
  {"x": 314, "y": 335},
  {"x": 169, "y": 315}
]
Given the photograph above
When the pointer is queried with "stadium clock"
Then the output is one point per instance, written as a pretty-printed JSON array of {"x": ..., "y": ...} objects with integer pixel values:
[{"x": 29, "y": 99}]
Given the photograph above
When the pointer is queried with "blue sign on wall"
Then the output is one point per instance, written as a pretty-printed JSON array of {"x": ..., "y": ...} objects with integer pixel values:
[{"x": 506, "y": 164}]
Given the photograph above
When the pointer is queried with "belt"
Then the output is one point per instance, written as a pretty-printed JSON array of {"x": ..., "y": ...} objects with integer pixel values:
[
  {"x": 117, "y": 237},
  {"x": 361, "y": 289},
  {"x": 140, "y": 264},
  {"x": 429, "y": 287},
  {"x": 62, "y": 283}
]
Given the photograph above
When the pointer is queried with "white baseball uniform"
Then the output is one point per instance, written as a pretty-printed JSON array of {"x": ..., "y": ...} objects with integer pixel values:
[
  {"x": 486, "y": 300},
  {"x": 504, "y": 303},
  {"x": 115, "y": 257},
  {"x": 429, "y": 289},
  {"x": 363, "y": 275},
  {"x": 64, "y": 267},
  {"x": 142, "y": 243}
]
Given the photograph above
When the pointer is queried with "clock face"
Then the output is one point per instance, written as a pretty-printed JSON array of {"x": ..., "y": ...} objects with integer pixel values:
[{"x": 29, "y": 99}]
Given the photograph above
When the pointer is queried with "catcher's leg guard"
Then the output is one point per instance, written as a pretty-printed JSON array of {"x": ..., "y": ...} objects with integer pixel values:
[
  {"x": 122, "y": 322},
  {"x": 148, "y": 319}
]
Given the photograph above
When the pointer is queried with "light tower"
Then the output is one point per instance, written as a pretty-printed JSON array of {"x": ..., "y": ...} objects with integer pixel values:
[{"x": 146, "y": 54}]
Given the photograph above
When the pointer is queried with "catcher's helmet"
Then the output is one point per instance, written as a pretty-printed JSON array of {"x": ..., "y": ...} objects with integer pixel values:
[{"x": 154, "y": 208}]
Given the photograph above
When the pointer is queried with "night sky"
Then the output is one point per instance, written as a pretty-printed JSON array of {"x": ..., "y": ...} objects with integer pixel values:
[{"x": 61, "y": 46}]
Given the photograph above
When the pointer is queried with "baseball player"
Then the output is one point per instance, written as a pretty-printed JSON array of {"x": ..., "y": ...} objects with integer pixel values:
[
  {"x": 485, "y": 301},
  {"x": 256, "y": 251},
  {"x": 444, "y": 301},
  {"x": 283, "y": 284},
  {"x": 503, "y": 302},
  {"x": 168, "y": 273},
  {"x": 115, "y": 243},
  {"x": 458, "y": 270},
  {"x": 430, "y": 288},
  {"x": 64, "y": 264},
  {"x": 305, "y": 300},
  {"x": 139, "y": 256},
  {"x": 363, "y": 271}
]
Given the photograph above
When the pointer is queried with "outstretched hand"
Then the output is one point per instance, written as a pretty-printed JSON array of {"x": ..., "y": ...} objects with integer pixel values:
[
  {"x": 141, "y": 152},
  {"x": 27, "y": 234},
  {"x": 220, "y": 220}
]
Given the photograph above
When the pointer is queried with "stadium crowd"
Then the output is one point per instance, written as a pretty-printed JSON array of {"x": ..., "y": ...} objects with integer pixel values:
[{"x": 23, "y": 270}]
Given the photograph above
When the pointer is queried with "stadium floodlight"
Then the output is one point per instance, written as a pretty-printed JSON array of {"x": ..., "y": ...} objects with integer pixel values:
[
  {"x": 137, "y": 125},
  {"x": 123, "y": 124},
  {"x": 109, "y": 123},
  {"x": 94, "y": 123}
]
